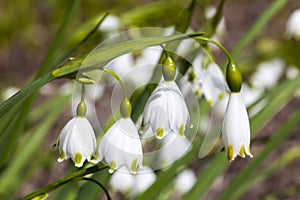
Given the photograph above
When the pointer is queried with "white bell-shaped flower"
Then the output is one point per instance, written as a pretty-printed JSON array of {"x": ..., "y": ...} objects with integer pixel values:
[
  {"x": 236, "y": 128},
  {"x": 208, "y": 81},
  {"x": 292, "y": 26},
  {"x": 121, "y": 146},
  {"x": 166, "y": 110},
  {"x": 77, "y": 140}
]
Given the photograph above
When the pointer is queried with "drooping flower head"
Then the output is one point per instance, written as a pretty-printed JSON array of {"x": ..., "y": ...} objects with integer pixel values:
[
  {"x": 77, "y": 139},
  {"x": 121, "y": 144},
  {"x": 166, "y": 110},
  {"x": 236, "y": 128}
]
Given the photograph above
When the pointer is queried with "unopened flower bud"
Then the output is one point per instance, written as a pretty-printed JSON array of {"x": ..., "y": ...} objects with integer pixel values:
[
  {"x": 169, "y": 69},
  {"x": 233, "y": 77}
]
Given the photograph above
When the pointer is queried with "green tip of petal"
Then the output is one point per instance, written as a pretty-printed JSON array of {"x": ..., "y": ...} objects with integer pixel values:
[
  {"x": 250, "y": 153},
  {"x": 210, "y": 102},
  {"x": 78, "y": 160},
  {"x": 242, "y": 151},
  {"x": 113, "y": 166},
  {"x": 181, "y": 130},
  {"x": 134, "y": 166},
  {"x": 61, "y": 156},
  {"x": 230, "y": 153},
  {"x": 197, "y": 92},
  {"x": 159, "y": 133},
  {"x": 94, "y": 158}
]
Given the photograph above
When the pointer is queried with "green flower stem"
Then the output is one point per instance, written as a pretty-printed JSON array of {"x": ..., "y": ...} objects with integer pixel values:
[
  {"x": 216, "y": 44},
  {"x": 99, "y": 184},
  {"x": 64, "y": 180},
  {"x": 113, "y": 74},
  {"x": 82, "y": 92}
]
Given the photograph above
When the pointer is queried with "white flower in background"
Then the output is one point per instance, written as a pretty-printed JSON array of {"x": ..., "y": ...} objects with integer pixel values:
[
  {"x": 122, "y": 180},
  {"x": 77, "y": 140},
  {"x": 221, "y": 27},
  {"x": 121, "y": 65},
  {"x": 111, "y": 23},
  {"x": 173, "y": 148},
  {"x": 292, "y": 72},
  {"x": 209, "y": 82},
  {"x": 166, "y": 110},
  {"x": 144, "y": 178},
  {"x": 292, "y": 26},
  {"x": 121, "y": 145},
  {"x": 185, "y": 181},
  {"x": 236, "y": 128},
  {"x": 268, "y": 74},
  {"x": 250, "y": 95},
  {"x": 127, "y": 183}
]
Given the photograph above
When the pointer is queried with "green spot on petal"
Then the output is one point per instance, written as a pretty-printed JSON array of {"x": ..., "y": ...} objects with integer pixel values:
[
  {"x": 221, "y": 96},
  {"x": 78, "y": 159},
  {"x": 113, "y": 166},
  {"x": 133, "y": 165},
  {"x": 181, "y": 131},
  {"x": 197, "y": 92},
  {"x": 159, "y": 133}
]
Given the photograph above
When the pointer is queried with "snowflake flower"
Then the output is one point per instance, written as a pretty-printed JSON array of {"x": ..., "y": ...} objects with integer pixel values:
[
  {"x": 236, "y": 128},
  {"x": 77, "y": 140},
  {"x": 166, "y": 110}
]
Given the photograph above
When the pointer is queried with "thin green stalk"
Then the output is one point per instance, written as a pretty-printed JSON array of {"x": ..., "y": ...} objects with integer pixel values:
[
  {"x": 113, "y": 74},
  {"x": 217, "y": 44},
  {"x": 276, "y": 139},
  {"x": 64, "y": 180}
]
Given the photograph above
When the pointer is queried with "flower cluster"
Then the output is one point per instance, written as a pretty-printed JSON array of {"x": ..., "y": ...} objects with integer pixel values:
[{"x": 165, "y": 114}]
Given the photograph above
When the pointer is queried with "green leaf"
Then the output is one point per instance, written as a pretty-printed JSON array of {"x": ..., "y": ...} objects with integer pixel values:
[{"x": 10, "y": 180}]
